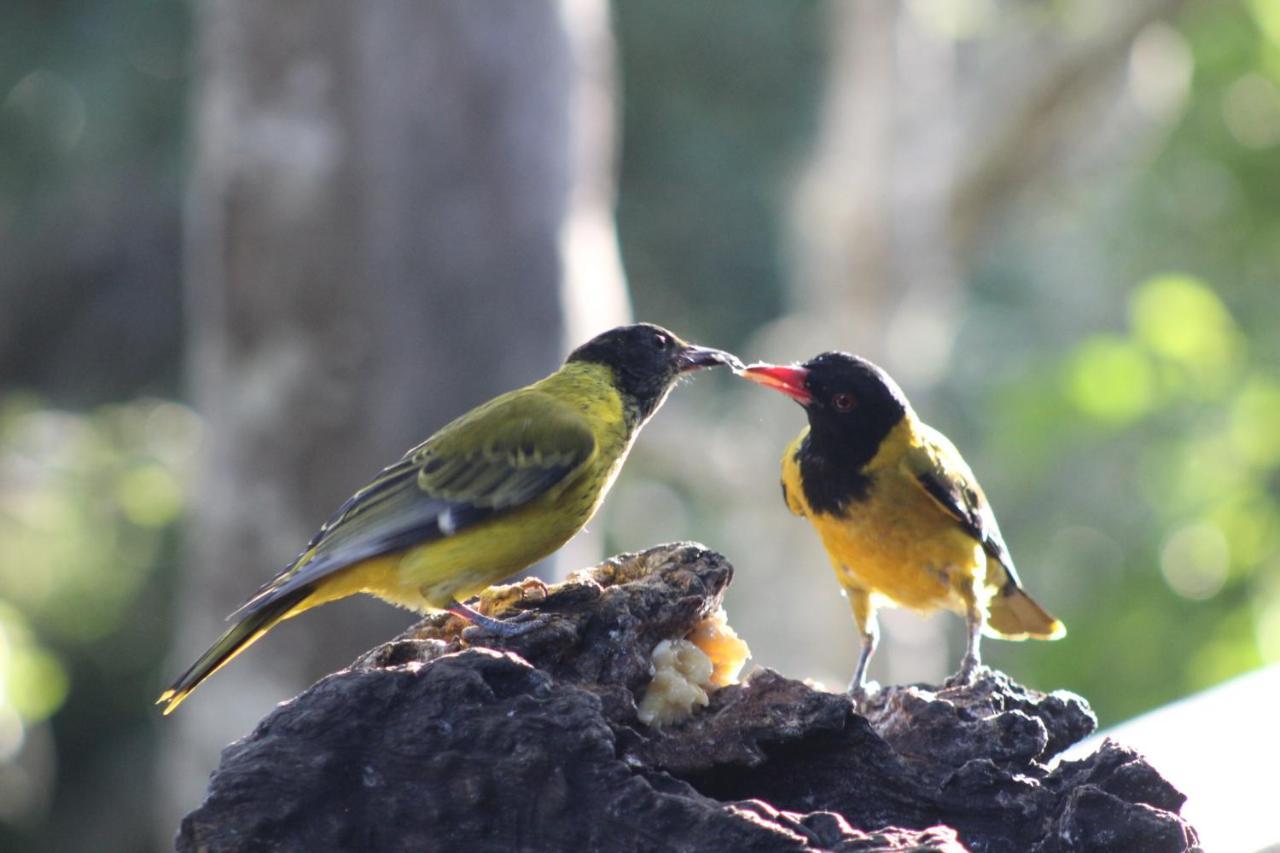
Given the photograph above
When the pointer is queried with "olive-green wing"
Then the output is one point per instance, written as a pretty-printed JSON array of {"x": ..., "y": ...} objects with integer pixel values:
[
  {"x": 506, "y": 453},
  {"x": 496, "y": 458},
  {"x": 942, "y": 472}
]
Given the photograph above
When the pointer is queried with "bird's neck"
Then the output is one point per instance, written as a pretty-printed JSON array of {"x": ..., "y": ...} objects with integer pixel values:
[
  {"x": 839, "y": 469},
  {"x": 589, "y": 387},
  {"x": 593, "y": 387}
]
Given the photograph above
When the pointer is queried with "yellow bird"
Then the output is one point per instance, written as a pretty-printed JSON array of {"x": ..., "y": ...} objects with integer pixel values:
[
  {"x": 491, "y": 493},
  {"x": 900, "y": 514}
]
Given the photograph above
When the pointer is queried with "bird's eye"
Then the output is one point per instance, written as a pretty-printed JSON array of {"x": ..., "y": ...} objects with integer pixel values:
[
  {"x": 843, "y": 402},
  {"x": 661, "y": 341}
]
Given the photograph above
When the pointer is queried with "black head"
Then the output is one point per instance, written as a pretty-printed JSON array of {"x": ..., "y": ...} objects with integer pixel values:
[
  {"x": 852, "y": 404},
  {"x": 646, "y": 360}
]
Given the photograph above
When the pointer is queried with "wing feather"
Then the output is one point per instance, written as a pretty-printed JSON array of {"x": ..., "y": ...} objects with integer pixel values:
[
  {"x": 532, "y": 444},
  {"x": 942, "y": 472}
]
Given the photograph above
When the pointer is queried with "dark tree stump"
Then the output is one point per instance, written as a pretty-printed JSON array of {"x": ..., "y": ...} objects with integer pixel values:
[{"x": 437, "y": 741}]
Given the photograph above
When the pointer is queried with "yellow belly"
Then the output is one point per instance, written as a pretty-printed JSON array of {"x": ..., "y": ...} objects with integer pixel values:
[
  {"x": 904, "y": 551},
  {"x": 427, "y": 577},
  {"x": 896, "y": 543}
]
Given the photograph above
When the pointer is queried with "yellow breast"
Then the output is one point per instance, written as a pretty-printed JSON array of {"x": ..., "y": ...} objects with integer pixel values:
[{"x": 894, "y": 541}]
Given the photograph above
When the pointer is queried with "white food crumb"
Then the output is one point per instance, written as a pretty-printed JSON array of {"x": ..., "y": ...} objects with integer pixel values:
[{"x": 681, "y": 674}]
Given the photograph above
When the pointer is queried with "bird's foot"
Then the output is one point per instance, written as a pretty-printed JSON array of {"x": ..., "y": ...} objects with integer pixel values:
[
  {"x": 970, "y": 669},
  {"x": 488, "y": 625},
  {"x": 863, "y": 693},
  {"x": 499, "y": 628}
]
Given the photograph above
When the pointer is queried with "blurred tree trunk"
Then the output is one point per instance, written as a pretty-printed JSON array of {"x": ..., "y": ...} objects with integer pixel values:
[
  {"x": 390, "y": 207},
  {"x": 907, "y": 179},
  {"x": 869, "y": 229}
]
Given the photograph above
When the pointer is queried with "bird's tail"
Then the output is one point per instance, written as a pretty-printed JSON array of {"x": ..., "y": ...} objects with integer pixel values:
[
  {"x": 1014, "y": 615},
  {"x": 237, "y": 638}
]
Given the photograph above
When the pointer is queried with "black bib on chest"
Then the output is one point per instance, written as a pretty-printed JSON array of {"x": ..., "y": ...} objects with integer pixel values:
[{"x": 831, "y": 483}]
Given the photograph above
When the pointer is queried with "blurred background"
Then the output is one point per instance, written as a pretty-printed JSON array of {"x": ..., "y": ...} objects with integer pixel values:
[{"x": 249, "y": 253}]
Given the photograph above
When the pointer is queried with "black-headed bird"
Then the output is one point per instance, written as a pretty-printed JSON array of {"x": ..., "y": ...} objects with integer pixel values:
[
  {"x": 900, "y": 514},
  {"x": 491, "y": 493}
]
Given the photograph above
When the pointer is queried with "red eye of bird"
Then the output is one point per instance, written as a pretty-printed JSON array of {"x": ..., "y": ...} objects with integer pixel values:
[{"x": 842, "y": 402}]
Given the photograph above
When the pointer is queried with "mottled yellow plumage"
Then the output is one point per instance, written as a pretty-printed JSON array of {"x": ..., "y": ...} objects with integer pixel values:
[
  {"x": 898, "y": 546},
  {"x": 901, "y": 517}
]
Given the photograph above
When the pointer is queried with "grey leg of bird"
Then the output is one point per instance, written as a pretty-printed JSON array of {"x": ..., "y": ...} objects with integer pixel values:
[
  {"x": 971, "y": 663},
  {"x": 858, "y": 684},
  {"x": 488, "y": 624},
  {"x": 864, "y": 617}
]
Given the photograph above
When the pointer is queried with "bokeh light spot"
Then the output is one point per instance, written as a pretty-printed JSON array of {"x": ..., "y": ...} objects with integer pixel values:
[
  {"x": 149, "y": 496},
  {"x": 954, "y": 19},
  {"x": 48, "y": 107},
  {"x": 1255, "y": 421},
  {"x": 1266, "y": 623},
  {"x": 1267, "y": 15},
  {"x": 33, "y": 683},
  {"x": 1194, "y": 561},
  {"x": 1110, "y": 380},
  {"x": 1180, "y": 318},
  {"x": 1160, "y": 66},
  {"x": 1251, "y": 111}
]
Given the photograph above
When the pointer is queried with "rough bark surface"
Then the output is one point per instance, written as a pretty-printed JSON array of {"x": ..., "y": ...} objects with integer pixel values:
[{"x": 532, "y": 743}]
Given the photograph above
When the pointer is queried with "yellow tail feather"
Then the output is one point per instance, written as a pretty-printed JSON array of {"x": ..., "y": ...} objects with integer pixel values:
[{"x": 1014, "y": 615}]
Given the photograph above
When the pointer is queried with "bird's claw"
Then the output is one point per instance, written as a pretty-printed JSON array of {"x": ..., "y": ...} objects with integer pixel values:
[
  {"x": 967, "y": 676},
  {"x": 862, "y": 693},
  {"x": 500, "y": 628},
  {"x": 481, "y": 624}
]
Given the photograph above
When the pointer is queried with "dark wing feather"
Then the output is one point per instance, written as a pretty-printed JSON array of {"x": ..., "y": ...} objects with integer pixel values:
[
  {"x": 498, "y": 457},
  {"x": 942, "y": 472}
]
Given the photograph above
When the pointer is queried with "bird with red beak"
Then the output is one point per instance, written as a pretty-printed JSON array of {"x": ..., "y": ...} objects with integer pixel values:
[{"x": 900, "y": 514}]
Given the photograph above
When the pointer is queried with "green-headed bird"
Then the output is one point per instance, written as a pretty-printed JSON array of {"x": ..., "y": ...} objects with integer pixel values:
[{"x": 491, "y": 493}]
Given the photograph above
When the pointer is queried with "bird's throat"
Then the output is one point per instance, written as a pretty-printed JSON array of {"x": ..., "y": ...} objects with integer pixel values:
[{"x": 838, "y": 469}]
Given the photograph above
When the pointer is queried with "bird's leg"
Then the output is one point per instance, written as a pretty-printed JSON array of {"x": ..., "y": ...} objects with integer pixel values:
[
  {"x": 864, "y": 617},
  {"x": 971, "y": 663},
  {"x": 488, "y": 624}
]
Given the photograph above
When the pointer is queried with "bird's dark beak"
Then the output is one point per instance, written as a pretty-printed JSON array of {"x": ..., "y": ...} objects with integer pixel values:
[
  {"x": 695, "y": 358},
  {"x": 789, "y": 380}
]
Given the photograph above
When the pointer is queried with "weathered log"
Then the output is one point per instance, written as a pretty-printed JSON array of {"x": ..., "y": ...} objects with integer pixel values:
[{"x": 533, "y": 742}]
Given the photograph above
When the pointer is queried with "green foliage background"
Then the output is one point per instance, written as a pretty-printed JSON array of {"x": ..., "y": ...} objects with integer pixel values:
[{"x": 1121, "y": 399}]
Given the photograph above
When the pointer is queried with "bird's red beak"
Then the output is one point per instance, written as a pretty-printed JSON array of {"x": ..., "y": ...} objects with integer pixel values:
[{"x": 789, "y": 380}]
